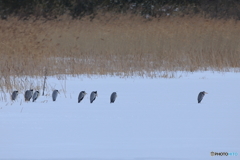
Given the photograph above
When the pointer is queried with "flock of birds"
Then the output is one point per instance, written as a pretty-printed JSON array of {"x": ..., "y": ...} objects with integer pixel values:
[{"x": 29, "y": 94}]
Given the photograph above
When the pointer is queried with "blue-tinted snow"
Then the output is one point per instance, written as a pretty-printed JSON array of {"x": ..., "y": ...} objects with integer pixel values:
[{"x": 150, "y": 119}]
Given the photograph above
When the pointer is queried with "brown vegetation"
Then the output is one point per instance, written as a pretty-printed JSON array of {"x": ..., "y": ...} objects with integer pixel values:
[
  {"x": 117, "y": 45},
  {"x": 114, "y": 45}
]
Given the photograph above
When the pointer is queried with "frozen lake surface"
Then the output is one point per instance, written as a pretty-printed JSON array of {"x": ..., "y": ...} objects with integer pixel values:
[{"x": 151, "y": 119}]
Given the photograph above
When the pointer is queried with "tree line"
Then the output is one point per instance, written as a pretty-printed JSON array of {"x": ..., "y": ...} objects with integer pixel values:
[{"x": 51, "y": 9}]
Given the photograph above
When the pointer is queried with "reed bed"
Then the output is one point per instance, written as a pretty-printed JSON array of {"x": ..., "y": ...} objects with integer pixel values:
[{"x": 120, "y": 45}]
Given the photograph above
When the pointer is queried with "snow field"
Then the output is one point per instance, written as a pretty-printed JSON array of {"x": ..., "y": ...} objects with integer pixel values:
[{"x": 150, "y": 119}]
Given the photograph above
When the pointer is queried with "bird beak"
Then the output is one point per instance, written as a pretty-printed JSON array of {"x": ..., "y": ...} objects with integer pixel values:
[
  {"x": 206, "y": 93},
  {"x": 97, "y": 95}
]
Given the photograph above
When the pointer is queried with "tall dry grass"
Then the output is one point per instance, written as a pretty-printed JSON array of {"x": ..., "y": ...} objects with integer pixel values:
[{"x": 117, "y": 45}]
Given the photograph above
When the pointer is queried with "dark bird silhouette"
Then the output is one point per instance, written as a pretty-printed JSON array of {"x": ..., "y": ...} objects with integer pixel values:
[
  {"x": 201, "y": 95},
  {"x": 35, "y": 96},
  {"x": 14, "y": 95},
  {"x": 28, "y": 95},
  {"x": 113, "y": 97},
  {"x": 93, "y": 96},
  {"x": 81, "y": 96},
  {"x": 54, "y": 95}
]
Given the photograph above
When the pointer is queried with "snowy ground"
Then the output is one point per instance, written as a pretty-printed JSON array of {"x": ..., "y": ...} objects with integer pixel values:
[{"x": 151, "y": 119}]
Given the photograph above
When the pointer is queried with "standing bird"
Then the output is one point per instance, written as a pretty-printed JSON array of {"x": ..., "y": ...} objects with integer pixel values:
[
  {"x": 54, "y": 95},
  {"x": 28, "y": 95},
  {"x": 201, "y": 95},
  {"x": 93, "y": 96},
  {"x": 14, "y": 95},
  {"x": 113, "y": 97},
  {"x": 81, "y": 96},
  {"x": 35, "y": 96}
]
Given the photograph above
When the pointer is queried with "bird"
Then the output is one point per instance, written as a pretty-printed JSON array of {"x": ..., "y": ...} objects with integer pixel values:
[
  {"x": 35, "y": 96},
  {"x": 14, "y": 95},
  {"x": 93, "y": 96},
  {"x": 113, "y": 97},
  {"x": 201, "y": 95},
  {"x": 54, "y": 95},
  {"x": 81, "y": 96},
  {"x": 28, "y": 95}
]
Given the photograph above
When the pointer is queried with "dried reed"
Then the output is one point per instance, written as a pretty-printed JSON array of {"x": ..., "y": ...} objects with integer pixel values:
[{"x": 117, "y": 45}]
